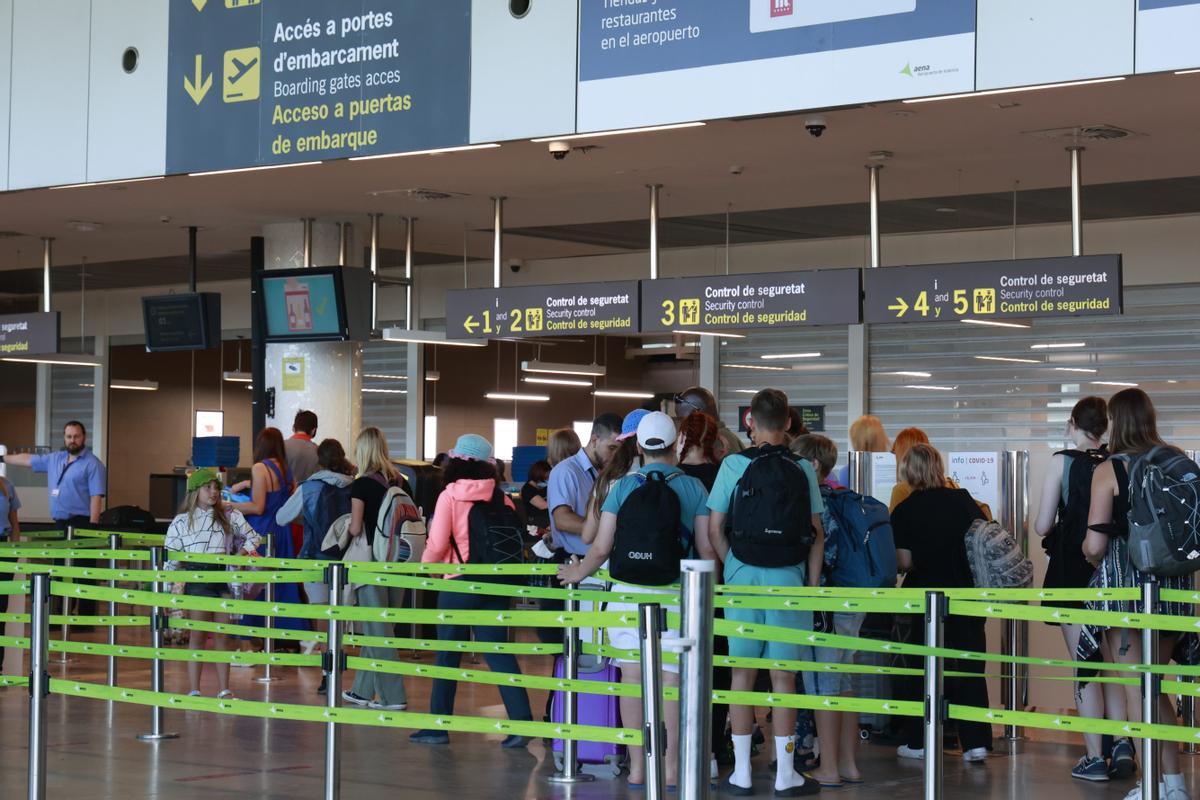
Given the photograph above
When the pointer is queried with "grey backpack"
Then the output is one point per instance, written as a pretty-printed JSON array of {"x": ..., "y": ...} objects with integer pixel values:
[
  {"x": 995, "y": 558},
  {"x": 1164, "y": 513}
]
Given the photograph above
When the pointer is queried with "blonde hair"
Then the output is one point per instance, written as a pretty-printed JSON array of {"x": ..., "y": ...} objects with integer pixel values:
[
  {"x": 908, "y": 438},
  {"x": 921, "y": 467},
  {"x": 867, "y": 435},
  {"x": 371, "y": 455},
  {"x": 561, "y": 445},
  {"x": 815, "y": 447},
  {"x": 191, "y": 504}
]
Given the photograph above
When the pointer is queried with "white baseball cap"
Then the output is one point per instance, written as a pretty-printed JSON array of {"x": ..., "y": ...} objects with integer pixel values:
[{"x": 656, "y": 431}]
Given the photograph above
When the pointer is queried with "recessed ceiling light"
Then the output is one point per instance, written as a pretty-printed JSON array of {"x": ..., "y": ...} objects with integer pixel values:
[
  {"x": 1112, "y": 383},
  {"x": 995, "y": 323},
  {"x": 761, "y": 367},
  {"x": 1075, "y": 369},
  {"x": 557, "y": 381},
  {"x": 1056, "y": 345},
  {"x": 909, "y": 374},
  {"x": 778, "y": 356},
  {"x": 531, "y": 398},
  {"x": 932, "y": 388},
  {"x": 627, "y": 395},
  {"x": 1009, "y": 360}
]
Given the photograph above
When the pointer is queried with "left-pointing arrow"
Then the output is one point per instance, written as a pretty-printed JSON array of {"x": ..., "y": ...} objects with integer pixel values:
[
  {"x": 199, "y": 87},
  {"x": 469, "y": 325}
]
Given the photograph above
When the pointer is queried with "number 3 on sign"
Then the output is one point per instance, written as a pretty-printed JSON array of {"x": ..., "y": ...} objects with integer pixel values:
[{"x": 668, "y": 317}]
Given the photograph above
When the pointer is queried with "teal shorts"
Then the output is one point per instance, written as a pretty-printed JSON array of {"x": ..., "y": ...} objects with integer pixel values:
[{"x": 739, "y": 574}]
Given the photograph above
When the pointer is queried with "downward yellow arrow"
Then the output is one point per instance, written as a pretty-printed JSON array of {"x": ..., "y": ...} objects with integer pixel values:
[
  {"x": 199, "y": 4},
  {"x": 198, "y": 88}
]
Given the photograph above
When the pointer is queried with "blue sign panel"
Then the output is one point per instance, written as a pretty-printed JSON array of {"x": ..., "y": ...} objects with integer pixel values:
[{"x": 262, "y": 82}]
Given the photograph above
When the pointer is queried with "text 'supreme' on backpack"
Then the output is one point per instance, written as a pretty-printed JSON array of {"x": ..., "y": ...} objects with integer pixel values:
[
  {"x": 648, "y": 543},
  {"x": 1164, "y": 513},
  {"x": 389, "y": 544},
  {"x": 771, "y": 512},
  {"x": 494, "y": 535},
  {"x": 995, "y": 558},
  {"x": 866, "y": 546}
]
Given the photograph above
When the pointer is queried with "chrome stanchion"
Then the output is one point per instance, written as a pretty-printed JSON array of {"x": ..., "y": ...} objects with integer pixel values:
[
  {"x": 158, "y": 623},
  {"x": 269, "y": 597},
  {"x": 334, "y": 660},
  {"x": 114, "y": 543},
  {"x": 1014, "y": 491},
  {"x": 1151, "y": 688},
  {"x": 570, "y": 772},
  {"x": 650, "y": 629},
  {"x": 65, "y": 632},
  {"x": 39, "y": 682},
  {"x": 695, "y": 644},
  {"x": 935, "y": 618}
]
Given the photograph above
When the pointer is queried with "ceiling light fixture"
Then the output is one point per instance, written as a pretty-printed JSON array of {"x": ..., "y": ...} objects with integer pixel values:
[
  {"x": 1076, "y": 369},
  {"x": 712, "y": 333},
  {"x": 237, "y": 376},
  {"x": 909, "y": 374},
  {"x": 1056, "y": 345},
  {"x": 531, "y": 398},
  {"x": 1010, "y": 360},
  {"x": 1186, "y": 71},
  {"x": 777, "y": 356},
  {"x": 434, "y": 152},
  {"x": 1112, "y": 383},
  {"x": 385, "y": 391},
  {"x": 427, "y": 337},
  {"x": 1013, "y": 90},
  {"x": 432, "y": 375},
  {"x": 557, "y": 382},
  {"x": 745, "y": 391},
  {"x": 626, "y": 395},
  {"x": 252, "y": 169},
  {"x": 761, "y": 367},
  {"x": 57, "y": 360},
  {"x": 107, "y": 183},
  {"x": 135, "y": 386},
  {"x": 618, "y": 132},
  {"x": 995, "y": 323},
  {"x": 553, "y": 368},
  {"x": 381, "y": 377},
  {"x": 931, "y": 388}
]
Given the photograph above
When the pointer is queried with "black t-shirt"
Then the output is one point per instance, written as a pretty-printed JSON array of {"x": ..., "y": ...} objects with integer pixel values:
[
  {"x": 535, "y": 516},
  {"x": 932, "y": 524},
  {"x": 705, "y": 473},
  {"x": 370, "y": 491}
]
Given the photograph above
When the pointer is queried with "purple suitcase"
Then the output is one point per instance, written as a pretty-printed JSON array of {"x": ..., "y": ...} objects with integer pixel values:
[{"x": 592, "y": 709}]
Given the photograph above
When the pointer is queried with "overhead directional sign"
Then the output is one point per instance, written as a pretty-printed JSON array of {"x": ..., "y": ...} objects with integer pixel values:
[
  {"x": 552, "y": 310},
  {"x": 266, "y": 82},
  {"x": 29, "y": 334},
  {"x": 762, "y": 300},
  {"x": 1035, "y": 287}
]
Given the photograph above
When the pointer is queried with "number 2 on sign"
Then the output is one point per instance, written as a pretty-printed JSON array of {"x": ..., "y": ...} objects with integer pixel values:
[
  {"x": 922, "y": 304},
  {"x": 515, "y": 316}
]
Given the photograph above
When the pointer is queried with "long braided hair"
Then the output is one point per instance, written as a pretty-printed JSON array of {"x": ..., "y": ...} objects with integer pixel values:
[{"x": 699, "y": 430}]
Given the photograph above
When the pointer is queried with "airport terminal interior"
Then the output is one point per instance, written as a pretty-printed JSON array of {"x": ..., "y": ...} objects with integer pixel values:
[{"x": 305, "y": 305}]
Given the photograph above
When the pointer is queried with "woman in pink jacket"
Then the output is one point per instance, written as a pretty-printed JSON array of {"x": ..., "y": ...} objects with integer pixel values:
[{"x": 470, "y": 475}]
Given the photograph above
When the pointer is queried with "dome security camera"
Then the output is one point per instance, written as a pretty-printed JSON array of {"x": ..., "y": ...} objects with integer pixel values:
[
  {"x": 816, "y": 126},
  {"x": 559, "y": 150}
]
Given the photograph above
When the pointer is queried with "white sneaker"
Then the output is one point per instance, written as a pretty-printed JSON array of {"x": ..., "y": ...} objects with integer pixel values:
[
  {"x": 307, "y": 647},
  {"x": 975, "y": 755},
  {"x": 1174, "y": 793},
  {"x": 712, "y": 768},
  {"x": 904, "y": 751}
]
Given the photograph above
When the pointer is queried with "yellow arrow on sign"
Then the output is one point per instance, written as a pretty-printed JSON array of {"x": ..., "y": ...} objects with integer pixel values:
[
  {"x": 899, "y": 307},
  {"x": 199, "y": 4},
  {"x": 198, "y": 88},
  {"x": 469, "y": 325}
]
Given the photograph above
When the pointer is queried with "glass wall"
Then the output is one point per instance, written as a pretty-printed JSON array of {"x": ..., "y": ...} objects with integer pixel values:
[{"x": 385, "y": 392}]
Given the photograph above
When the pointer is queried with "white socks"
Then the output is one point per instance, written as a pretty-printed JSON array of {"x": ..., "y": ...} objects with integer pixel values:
[
  {"x": 741, "y": 760},
  {"x": 785, "y": 766}
]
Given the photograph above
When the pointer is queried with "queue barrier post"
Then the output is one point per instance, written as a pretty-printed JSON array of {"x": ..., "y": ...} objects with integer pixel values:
[
  {"x": 697, "y": 581},
  {"x": 650, "y": 628},
  {"x": 158, "y": 624},
  {"x": 569, "y": 772},
  {"x": 1151, "y": 688},
  {"x": 114, "y": 543},
  {"x": 935, "y": 709},
  {"x": 268, "y": 621},
  {"x": 65, "y": 630},
  {"x": 39, "y": 682},
  {"x": 334, "y": 661}
]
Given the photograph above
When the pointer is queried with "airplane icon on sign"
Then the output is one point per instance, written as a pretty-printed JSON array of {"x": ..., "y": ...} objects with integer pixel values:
[{"x": 241, "y": 67}]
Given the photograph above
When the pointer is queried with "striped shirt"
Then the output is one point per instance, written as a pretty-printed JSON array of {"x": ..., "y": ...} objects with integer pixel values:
[{"x": 202, "y": 534}]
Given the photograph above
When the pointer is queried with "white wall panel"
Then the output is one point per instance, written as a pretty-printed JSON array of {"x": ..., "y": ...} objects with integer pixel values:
[
  {"x": 49, "y": 125},
  {"x": 522, "y": 70},
  {"x": 127, "y": 112},
  {"x": 6, "y": 15},
  {"x": 1025, "y": 42}
]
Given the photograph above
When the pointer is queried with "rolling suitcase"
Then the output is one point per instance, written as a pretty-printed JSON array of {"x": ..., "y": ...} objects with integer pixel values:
[{"x": 597, "y": 758}]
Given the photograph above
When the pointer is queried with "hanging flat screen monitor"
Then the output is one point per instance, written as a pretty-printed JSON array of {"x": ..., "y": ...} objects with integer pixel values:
[
  {"x": 186, "y": 321},
  {"x": 316, "y": 304}
]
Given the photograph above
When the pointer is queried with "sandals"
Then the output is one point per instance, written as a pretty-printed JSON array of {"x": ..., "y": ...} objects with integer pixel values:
[{"x": 225, "y": 694}]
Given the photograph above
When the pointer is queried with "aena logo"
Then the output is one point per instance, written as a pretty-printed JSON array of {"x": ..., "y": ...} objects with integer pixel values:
[
  {"x": 638, "y": 556},
  {"x": 912, "y": 71},
  {"x": 781, "y": 8}
]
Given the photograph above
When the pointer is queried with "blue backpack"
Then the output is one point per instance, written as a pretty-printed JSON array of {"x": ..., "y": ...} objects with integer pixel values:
[
  {"x": 862, "y": 535},
  {"x": 321, "y": 508}
]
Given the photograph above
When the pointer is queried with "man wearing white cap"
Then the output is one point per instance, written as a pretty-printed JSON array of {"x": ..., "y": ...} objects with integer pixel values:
[{"x": 649, "y": 521}]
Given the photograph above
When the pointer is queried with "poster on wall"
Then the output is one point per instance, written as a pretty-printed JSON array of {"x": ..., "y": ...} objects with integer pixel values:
[
  {"x": 1166, "y": 35},
  {"x": 681, "y": 60},
  {"x": 253, "y": 83}
]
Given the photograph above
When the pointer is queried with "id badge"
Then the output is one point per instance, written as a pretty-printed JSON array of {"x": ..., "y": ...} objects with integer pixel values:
[{"x": 54, "y": 492}]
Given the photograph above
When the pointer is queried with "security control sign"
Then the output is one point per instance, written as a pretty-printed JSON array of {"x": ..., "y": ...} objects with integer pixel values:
[
  {"x": 553, "y": 310},
  {"x": 28, "y": 334},
  {"x": 762, "y": 300},
  {"x": 1034, "y": 287}
]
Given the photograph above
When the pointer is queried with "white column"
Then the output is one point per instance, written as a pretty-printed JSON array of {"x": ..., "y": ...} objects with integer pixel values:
[
  {"x": 414, "y": 409},
  {"x": 710, "y": 365},
  {"x": 99, "y": 435}
]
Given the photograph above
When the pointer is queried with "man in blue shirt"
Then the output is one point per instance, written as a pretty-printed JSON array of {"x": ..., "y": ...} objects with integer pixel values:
[
  {"x": 571, "y": 482},
  {"x": 76, "y": 479}
]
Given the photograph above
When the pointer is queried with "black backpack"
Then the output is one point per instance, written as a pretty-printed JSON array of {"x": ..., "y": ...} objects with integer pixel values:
[
  {"x": 494, "y": 531},
  {"x": 771, "y": 511},
  {"x": 1065, "y": 541},
  {"x": 648, "y": 544}
]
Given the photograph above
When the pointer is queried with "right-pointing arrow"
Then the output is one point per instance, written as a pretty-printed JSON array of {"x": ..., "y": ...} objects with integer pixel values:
[
  {"x": 899, "y": 307},
  {"x": 198, "y": 88}
]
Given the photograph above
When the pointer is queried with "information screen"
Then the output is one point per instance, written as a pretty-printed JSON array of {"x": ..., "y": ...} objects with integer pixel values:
[
  {"x": 302, "y": 307},
  {"x": 189, "y": 321}
]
